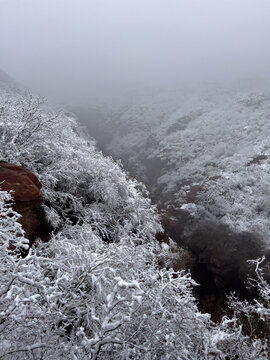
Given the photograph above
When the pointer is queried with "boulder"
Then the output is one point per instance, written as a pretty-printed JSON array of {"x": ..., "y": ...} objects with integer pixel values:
[
  {"x": 24, "y": 184},
  {"x": 25, "y": 188}
]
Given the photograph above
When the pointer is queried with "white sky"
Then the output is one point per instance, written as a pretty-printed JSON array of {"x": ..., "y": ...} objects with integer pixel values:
[{"x": 72, "y": 49}]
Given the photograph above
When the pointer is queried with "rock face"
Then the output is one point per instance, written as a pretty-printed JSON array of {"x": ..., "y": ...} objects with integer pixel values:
[
  {"x": 25, "y": 185},
  {"x": 26, "y": 194}
]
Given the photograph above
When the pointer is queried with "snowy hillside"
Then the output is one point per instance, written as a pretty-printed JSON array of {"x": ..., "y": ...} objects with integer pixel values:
[
  {"x": 101, "y": 286},
  {"x": 206, "y": 151},
  {"x": 204, "y": 155}
]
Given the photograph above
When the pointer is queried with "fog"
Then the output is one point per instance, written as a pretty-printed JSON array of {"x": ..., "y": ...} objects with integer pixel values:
[{"x": 76, "y": 50}]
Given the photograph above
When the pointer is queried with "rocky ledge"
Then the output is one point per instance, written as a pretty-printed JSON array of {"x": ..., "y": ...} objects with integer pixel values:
[{"x": 25, "y": 188}]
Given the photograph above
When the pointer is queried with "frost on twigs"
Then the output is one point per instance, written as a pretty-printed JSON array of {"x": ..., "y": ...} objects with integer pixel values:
[
  {"x": 11, "y": 233},
  {"x": 255, "y": 314}
]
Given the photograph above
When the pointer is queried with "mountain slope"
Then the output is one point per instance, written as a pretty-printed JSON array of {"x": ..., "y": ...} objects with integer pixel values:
[
  {"x": 208, "y": 149},
  {"x": 102, "y": 287},
  {"x": 204, "y": 155}
]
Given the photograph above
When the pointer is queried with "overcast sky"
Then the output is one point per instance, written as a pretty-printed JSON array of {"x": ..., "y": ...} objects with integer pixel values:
[{"x": 72, "y": 49}]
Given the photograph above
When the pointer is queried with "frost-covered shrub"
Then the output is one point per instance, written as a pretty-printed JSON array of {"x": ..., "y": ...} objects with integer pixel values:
[
  {"x": 12, "y": 235},
  {"x": 77, "y": 297},
  {"x": 255, "y": 314}
]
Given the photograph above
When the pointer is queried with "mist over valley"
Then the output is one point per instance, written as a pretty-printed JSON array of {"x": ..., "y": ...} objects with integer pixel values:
[{"x": 135, "y": 200}]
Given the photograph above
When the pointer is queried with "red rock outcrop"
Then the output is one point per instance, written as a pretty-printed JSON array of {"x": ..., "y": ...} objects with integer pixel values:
[
  {"x": 26, "y": 194},
  {"x": 22, "y": 182}
]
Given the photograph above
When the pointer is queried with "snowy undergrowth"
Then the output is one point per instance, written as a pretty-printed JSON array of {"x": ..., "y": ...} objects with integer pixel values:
[{"x": 77, "y": 297}]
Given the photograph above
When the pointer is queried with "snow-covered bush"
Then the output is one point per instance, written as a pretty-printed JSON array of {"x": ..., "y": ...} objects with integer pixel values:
[
  {"x": 12, "y": 235},
  {"x": 255, "y": 314},
  {"x": 78, "y": 297}
]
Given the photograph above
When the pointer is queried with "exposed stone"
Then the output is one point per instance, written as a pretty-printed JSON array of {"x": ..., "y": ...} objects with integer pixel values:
[
  {"x": 24, "y": 184},
  {"x": 257, "y": 159},
  {"x": 26, "y": 194}
]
